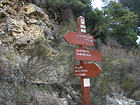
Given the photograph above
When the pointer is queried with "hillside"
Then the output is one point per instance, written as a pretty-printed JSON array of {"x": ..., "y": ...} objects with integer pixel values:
[
  {"x": 29, "y": 74},
  {"x": 36, "y": 63}
]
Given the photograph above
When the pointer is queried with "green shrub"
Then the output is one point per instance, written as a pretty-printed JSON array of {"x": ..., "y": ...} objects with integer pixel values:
[
  {"x": 21, "y": 95},
  {"x": 128, "y": 84},
  {"x": 96, "y": 100},
  {"x": 104, "y": 84},
  {"x": 67, "y": 26},
  {"x": 99, "y": 89}
]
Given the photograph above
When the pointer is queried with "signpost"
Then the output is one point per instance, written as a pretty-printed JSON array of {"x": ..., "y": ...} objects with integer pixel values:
[
  {"x": 79, "y": 38},
  {"x": 84, "y": 70},
  {"x": 87, "y": 54},
  {"x": 87, "y": 70}
]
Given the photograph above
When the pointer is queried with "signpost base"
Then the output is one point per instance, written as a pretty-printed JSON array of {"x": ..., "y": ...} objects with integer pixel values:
[
  {"x": 85, "y": 88},
  {"x": 85, "y": 92}
]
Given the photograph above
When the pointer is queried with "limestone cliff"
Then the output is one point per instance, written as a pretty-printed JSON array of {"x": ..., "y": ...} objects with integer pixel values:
[{"x": 29, "y": 75}]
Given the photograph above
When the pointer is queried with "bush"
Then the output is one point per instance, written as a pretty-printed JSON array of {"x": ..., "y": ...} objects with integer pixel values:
[
  {"x": 129, "y": 85},
  {"x": 116, "y": 64}
]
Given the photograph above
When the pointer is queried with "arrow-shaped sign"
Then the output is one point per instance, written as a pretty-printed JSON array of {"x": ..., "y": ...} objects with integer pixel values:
[
  {"x": 87, "y": 70},
  {"x": 78, "y": 38},
  {"x": 87, "y": 54}
]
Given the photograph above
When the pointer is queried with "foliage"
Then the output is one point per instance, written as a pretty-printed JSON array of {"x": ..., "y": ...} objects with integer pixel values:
[
  {"x": 39, "y": 58},
  {"x": 96, "y": 24},
  {"x": 66, "y": 26},
  {"x": 67, "y": 3},
  {"x": 129, "y": 85},
  {"x": 77, "y": 6},
  {"x": 96, "y": 100},
  {"x": 63, "y": 28},
  {"x": 122, "y": 24},
  {"x": 117, "y": 63},
  {"x": 132, "y": 5},
  {"x": 114, "y": 21},
  {"x": 103, "y": 90}
]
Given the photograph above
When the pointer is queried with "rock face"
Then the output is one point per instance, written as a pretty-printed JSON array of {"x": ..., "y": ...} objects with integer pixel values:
[
  {"x": 33, "y": 9},
  {"x": 25, "y": 25},
  {"x": 27, "y": 53}
]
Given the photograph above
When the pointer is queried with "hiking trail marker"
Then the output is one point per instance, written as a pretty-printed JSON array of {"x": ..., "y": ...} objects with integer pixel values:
[
  {"x": 87, "y": 70},
  {"x": 84, "y": 70},
  {"x": 79, "y": 38},
  {"x": 87, "y": 54}
]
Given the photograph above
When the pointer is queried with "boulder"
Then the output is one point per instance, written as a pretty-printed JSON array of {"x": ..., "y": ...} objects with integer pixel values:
[
  {"x": 2, "y": 34},
  {"x": 2, "y": 14},
  {"x": 119, "y": 99},
  {"x": 1, "y": 43},
  {"x": 34, "y": 21},
  {"x": 21, "y": 42},
  {"x": 33, "y": 9},
  {"x": 12, "y": 25},
  {"x": 46, "y": 18}
]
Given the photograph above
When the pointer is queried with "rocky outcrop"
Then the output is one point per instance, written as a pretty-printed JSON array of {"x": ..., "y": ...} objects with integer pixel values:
[
  {"x": 27, "y": 40},
  {"x": 23, "y": 24},
  {"x": 117, "y": 96},
  {"x": 119, "y": 99},
  {"x": 33, "y": 9}
]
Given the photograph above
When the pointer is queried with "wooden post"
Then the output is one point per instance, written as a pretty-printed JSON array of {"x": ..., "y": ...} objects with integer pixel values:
[
  {"x": 82, "y": 54},
  {"x": 85, "y": 89}
]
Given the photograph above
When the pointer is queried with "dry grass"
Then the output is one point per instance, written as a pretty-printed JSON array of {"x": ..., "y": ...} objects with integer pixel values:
[{"x": 119, "y": 65}]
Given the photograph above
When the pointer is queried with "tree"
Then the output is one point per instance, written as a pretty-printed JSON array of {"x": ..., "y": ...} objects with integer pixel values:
[
  {"x": 122, "y": 23},
  {"x": 77, "y": 6},
  {"x": 96, "y": 25},
  {"x": 132, "y": 5}
]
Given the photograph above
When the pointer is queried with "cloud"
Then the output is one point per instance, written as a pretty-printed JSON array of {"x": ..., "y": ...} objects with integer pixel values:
[{"x": 97, "y": 4}]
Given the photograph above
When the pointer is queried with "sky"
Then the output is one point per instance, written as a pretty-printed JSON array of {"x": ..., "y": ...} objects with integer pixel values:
[
  {"x": 97, "y": 4},
  {"x": 138, "y": 40}
]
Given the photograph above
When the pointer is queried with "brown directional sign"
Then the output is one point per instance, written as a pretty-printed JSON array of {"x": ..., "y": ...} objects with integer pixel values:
[
  {"x": 79, "y": 38},
  {"x": 87, "y": 70},
  {"x": 87, "y": 54}
]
